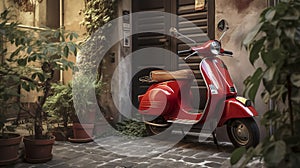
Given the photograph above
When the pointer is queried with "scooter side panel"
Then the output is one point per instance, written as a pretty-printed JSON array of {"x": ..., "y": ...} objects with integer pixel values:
[
  {"x": 235, "y": 109},
  {"x": 165, "y": 99}
]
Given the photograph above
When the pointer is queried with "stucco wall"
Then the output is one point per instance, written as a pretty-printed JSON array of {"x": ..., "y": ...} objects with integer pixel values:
[
  {"x": 71, "y": 21},
  {"x": 242, "y": 16}
]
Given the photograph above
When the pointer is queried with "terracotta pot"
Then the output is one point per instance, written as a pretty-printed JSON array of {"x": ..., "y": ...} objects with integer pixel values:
[
  {"x": 82, "y": 131},
  {"x": 9, "y": 148},
  {"x": 88, "y": 117},
  {"x": 60, "y": 134},
  {"x": 101, "y": 127},
  {"x": 38, "y": 150},
  {"x": 91, "y": 116}
]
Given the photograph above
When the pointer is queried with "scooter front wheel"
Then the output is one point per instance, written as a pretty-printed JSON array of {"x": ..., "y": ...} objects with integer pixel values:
[{"x": 243, "y": 132}]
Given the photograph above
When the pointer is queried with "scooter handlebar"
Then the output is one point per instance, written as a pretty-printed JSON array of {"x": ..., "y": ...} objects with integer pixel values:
[
  {"x": 189, "y": 51},
  {"x": 224, "y": 52}
]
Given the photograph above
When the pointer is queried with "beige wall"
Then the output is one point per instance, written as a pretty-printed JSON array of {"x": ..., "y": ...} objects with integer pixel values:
[{"x": 71, "y": 21}]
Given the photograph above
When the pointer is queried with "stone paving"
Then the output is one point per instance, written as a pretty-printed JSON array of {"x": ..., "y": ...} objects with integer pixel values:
[{"x": 186, "y": 153}]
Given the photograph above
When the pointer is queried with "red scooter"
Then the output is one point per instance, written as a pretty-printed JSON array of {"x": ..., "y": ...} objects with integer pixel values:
[{"x": 168, "y": 101}]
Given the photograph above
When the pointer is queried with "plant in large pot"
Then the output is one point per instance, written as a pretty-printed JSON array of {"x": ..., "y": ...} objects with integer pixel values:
[
  {"x": 60, "y": 109},
  {"x": 35, "y": 57},
  {"x": 85, "y": 89},
  {"x": 9, "y": 142}
]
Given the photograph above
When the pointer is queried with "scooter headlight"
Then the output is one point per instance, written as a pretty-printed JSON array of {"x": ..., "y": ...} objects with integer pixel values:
[{"x": 215, "y": 47}]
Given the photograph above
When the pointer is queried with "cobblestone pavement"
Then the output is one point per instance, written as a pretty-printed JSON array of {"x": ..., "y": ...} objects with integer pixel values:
[{"x": 187, "y": 153}]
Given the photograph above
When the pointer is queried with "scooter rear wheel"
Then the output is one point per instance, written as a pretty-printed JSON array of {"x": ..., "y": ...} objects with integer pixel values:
[
  {"x": 155, "y": 130},
  {"x": 243, "y": 132}
]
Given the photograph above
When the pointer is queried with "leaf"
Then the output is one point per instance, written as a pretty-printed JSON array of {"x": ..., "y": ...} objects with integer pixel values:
[
  {"x": 25, "y": 86},
  {"x": 66, "y": 51},
  {"x": 41, "y": 77},
  {"x": 32, "y": 86},
  {"x": 71, "y": 47},
  {"x": 275, "y": 153},
  {"x": 22, "y": 62},
  {"x": 270, "y": 15},
  {"x": 265, "y": 96},
  {"x": 252, "y": 34},
  {"x": 276, "y": 43},
  {"x": 296, "y": 96},
  {"x": 269, "y": 73},
  {"x": 71, "y": 36},
  {"x": 295, "y": 79},
  {"x": 16, "y": 52},
  {"x": 237, "y": 155},
  {"x": 254, "y": 84},
  {"x": 75, "y": 52},
  {"x": 56, "y": 34},
  {"x": 290, "y": 32},
  {"x": 29, "y": 49},
  {"x": 255, "y": 50},
  {"x": 33, "y": 76}
]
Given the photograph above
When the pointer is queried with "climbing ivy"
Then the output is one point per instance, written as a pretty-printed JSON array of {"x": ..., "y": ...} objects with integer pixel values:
[{"x": 97, "y": 13}]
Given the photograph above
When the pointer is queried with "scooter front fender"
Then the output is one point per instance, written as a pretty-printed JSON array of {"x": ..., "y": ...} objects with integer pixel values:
[{"x": 236, "y": 109}]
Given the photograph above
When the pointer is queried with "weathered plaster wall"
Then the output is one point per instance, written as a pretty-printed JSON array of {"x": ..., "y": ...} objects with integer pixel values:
[
  {"x": 71, "y": 21},
  {"x": 242, "y": 16}
]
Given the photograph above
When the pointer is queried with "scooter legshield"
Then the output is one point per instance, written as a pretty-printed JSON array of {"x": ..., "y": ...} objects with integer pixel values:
[{"x": 236, "y": 109}]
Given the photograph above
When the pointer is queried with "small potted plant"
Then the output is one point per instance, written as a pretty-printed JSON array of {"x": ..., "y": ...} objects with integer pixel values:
[
  {"x": 59, "y": 107},
  {"x": 86, "y": 107},
  {"x": 35, "y": 57}
]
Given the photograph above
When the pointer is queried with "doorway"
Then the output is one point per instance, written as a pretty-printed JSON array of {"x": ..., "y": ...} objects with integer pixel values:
[{"x": 204, "y": 19}]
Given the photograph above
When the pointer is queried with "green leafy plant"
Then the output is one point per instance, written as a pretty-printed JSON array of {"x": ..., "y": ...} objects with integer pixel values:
[
  {"x": 8, "y": 95},
  {"x": 59, "y": 107},
  {"x": 97, "y": 13},
  {"x": 85, "y": 93},
  {"x": 132, "y": 128},
  {"x": 276, "y": 41},
  {"x": 35, "y": 57}
]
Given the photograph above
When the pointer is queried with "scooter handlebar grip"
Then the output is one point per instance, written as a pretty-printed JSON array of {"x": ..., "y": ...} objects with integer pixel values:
[{"x": 227, "y": 52}]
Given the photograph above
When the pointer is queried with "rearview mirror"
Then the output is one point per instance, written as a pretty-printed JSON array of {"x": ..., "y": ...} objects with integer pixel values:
[{"x": 223, "y": 25}]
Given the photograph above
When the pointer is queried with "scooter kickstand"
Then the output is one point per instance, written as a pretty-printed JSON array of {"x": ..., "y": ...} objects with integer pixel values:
[{"x": 215, "y": 139}]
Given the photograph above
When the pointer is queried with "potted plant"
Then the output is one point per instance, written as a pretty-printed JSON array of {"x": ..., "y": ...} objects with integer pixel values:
[
  {"x": 9, "y": 142},
  {"x": 86, "y": 106},
  {"x": 59, "y": 107},
  {"x": 35, "y": 57}
]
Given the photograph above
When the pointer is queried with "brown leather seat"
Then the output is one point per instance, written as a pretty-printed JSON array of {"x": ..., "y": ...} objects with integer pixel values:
[{"x": 162, "y": 75}]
